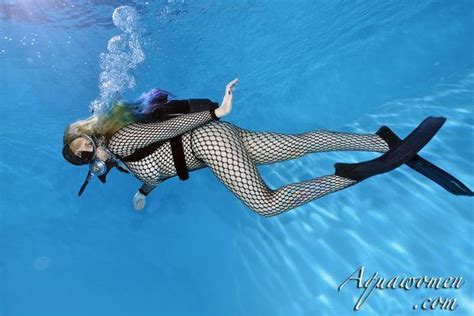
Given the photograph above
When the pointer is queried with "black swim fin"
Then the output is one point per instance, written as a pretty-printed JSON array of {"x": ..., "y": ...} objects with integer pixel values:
[
  {"x": 396, "y": 156},
  {"x": 426, "y": 168}
]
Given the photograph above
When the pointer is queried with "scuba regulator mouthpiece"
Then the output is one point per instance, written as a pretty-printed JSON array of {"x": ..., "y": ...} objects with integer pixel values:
[{"x": 98, "y": 167}]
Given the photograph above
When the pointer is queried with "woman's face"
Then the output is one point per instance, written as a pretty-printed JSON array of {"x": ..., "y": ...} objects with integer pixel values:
[{"x": 80, "y": 145}]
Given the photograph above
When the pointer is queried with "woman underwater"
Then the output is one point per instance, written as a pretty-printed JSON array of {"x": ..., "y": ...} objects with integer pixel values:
[{"x": 156, "y": 138}]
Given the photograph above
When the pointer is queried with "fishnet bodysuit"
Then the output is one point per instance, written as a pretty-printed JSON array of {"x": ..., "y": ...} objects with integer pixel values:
[{"x": 233, "y": 153}]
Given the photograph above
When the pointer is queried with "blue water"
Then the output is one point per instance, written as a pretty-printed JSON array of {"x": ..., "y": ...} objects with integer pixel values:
[{"x": 196, "y": 249}]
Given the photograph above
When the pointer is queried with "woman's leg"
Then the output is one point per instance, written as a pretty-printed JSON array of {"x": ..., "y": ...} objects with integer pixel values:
[
  {"x": 268, "y": 147},
  {"x": 221, "y": 147}
]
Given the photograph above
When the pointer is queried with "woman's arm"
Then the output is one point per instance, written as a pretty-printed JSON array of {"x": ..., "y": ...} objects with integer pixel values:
[
  {"x": 134, "y": 136},
  {"x": 138, "y": 135}
]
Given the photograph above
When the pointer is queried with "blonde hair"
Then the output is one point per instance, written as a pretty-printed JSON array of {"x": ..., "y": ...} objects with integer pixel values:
[{"x": 104, "y": 125}]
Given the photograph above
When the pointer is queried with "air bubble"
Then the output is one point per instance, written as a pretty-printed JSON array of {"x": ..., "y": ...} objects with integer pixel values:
[
  {"x": 116, "y": 44},
  {"x": 124, "y": 53},
  {"x": 125, "y": 18}
]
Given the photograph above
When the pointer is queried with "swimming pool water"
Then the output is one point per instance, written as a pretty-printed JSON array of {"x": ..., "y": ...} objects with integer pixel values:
[{"x": 196, "y": 249}]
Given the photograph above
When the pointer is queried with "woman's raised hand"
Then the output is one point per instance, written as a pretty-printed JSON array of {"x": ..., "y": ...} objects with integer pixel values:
[{"x": 226, "y": 105}]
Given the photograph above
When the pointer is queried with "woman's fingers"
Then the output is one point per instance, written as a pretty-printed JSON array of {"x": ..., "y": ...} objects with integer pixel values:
[
  {"x": 231, "y": 85},
  {"x": 233, "y": 81}
]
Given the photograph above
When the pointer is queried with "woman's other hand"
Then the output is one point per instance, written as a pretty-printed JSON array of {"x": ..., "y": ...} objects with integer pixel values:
[
  {"x": 139, "y": 201},
  {"x": 226, "y": 105}
]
